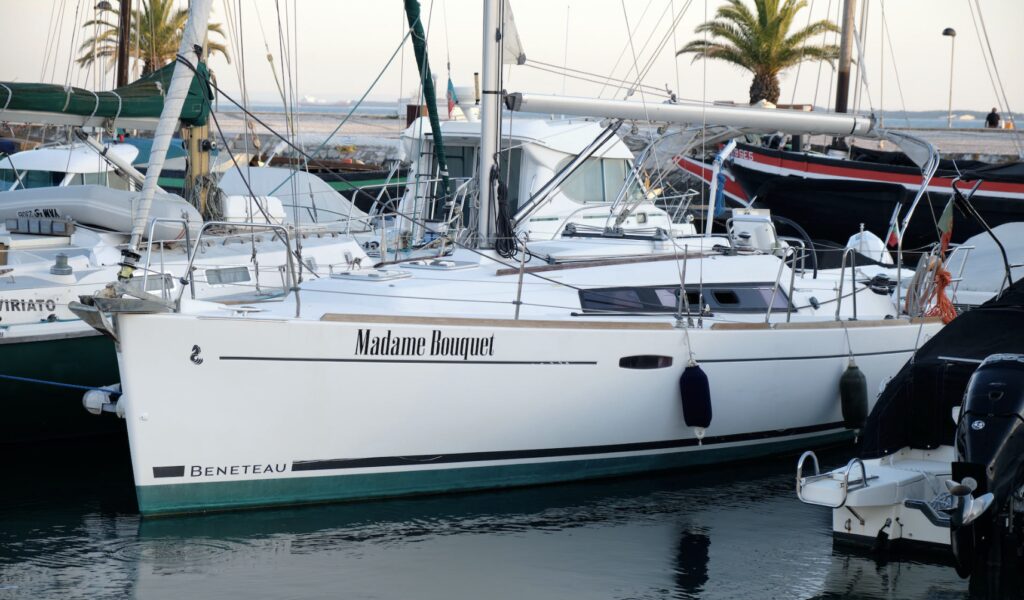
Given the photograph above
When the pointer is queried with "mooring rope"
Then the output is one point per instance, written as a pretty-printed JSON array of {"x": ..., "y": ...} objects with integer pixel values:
[{"x": 59, "y": 384}]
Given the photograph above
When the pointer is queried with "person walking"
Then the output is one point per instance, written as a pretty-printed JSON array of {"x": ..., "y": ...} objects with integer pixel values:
[{"x": 992, "y": 120}]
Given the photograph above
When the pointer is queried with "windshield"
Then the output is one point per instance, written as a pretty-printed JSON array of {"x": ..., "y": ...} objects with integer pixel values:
[
  {"x": 599, "y": 180},
  {"x": 31, "y": 179}
]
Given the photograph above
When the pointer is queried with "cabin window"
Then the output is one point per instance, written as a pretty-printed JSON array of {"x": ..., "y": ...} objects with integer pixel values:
[
  {"x": 742, "y": 297},
  {"x": 30, "y": 179},
  {"x": 598, "y": 180},
  {"x": 94, "y": 178},
  {"x": 726, "y": 297},
  {"x": 462, "y": 164}
]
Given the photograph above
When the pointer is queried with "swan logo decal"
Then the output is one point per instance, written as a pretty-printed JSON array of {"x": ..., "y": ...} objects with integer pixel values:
[{"x": 194, "y": 357}]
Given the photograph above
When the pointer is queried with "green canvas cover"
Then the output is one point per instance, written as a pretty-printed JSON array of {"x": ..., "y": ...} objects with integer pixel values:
[{"x": 143, "y": 98}]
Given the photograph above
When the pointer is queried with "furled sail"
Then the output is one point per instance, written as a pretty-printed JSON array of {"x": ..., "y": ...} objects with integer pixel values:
[
  {"x": 512, "y": 53},
  {"x": 136, "y": 105}
]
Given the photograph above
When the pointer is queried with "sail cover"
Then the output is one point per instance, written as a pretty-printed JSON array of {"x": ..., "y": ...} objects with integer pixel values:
[{"x": 139, "y": 101}]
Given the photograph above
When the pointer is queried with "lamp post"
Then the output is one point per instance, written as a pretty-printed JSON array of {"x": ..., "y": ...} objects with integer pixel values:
[
  {"x": 97, "y": 75},
  {"x": 951, "y": 33}
]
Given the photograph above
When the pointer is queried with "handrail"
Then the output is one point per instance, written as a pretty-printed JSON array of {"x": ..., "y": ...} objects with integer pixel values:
[
  {"x": 800, "y": 471},
  {"x": 280, "y": 229},
  {"x": 963, "y": 265},
  {"x": 929, "y": 171},
  {"x": 801, "y": 481},
  {"x": 149, "y": 252},
  {"x": 778, "y": 280},
  {"x": 852, "y": 253}
]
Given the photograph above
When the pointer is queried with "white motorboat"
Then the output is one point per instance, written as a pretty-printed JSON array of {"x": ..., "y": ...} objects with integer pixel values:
[
  {"x": 938, "y": 468},
  {"x": 63, "y": 165}
]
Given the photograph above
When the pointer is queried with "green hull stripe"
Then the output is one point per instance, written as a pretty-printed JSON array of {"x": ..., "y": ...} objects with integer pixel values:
[{"x": 227, "y": 495}]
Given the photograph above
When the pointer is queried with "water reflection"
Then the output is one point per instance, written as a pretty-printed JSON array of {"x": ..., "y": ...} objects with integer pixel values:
[{"x": 709, "y": 534}]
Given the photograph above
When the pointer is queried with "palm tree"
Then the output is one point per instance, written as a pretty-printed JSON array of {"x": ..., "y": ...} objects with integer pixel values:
[
  {"x": 156, "y": 29},
  {"x": 759, "y": 43}
]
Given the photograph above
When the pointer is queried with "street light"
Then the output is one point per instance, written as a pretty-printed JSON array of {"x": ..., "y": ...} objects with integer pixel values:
[
  {"x": 96, "y": 75},
  {"x": 951, "y": 33}
]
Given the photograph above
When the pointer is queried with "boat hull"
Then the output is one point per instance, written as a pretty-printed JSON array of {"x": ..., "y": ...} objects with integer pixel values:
[
  {"x": 831, "y": 197},
  {"x": 36, "y": 412},
  {"x": 268, "y": 420}
]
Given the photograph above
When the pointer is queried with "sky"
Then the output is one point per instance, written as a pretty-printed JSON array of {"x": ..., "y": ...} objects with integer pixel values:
[{"x": 342, "y": 46}]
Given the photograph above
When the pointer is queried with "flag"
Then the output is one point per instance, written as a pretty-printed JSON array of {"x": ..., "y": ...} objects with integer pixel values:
[
  {"x": 945, "y": 225},
  {"x": 452, "y": 98},
  {"x": 892, "y": 239}
]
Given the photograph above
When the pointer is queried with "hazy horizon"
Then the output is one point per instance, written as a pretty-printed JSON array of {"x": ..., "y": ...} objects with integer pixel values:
[{"x": 342, "y": 46}]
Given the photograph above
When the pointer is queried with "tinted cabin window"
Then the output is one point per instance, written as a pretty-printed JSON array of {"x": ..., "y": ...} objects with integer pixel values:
[
  {"x": 726, "y": 297},
  {"x": 751, "y": 297}
]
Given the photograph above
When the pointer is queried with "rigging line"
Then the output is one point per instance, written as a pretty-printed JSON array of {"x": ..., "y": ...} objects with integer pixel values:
[
  {"x": 643, "y": 101},
  {"x": 984, "y": 54},
  {"x": 832, "y": 80},
  {"x": 704, "y": 134},
  {"x": 895, "y": 68},
  {"x": 49, "y": 39},
  {"x": 995, "y": 68},
  {"x": 824, "y": 38},
  {"x": 661, "y": 45},
  {"x": 999, "y": 79},
  {"x": 71, "y": 46},
  {"x": 624, "y": 48},
  {"x": 559, "y": 69},
  {"x": 675, "y": 46},
  {"x": 326, "y": 166},
  {"x": 565, "y": 47},
  {"x": 862, "y": 76},
  {"x": 796, "y": 80},
  {"x": 635, "y": 68},
  {"x": 669, "y": 33},
  {"x": 57, "y": 40},
  {"x": 296, "y": 253},
  {"x": 447, "y": 41},
  {"x": 247, "y": 128},
  {"x": 352, "y": 110},
  {"x": 621, "y": 84},
  {"x": 859, "y": 35}
]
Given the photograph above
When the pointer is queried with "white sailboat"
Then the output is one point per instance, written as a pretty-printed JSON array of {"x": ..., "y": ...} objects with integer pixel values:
[{"x": 589, "y": 355}]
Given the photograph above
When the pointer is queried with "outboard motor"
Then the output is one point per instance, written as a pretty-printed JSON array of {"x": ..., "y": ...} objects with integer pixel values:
[{"x": 986, "y": 524}]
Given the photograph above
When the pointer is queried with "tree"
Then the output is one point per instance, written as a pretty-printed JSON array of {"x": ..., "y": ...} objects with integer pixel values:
[
  {"x": 760, "y": 43},
  {"x": 156, "y": 29}
]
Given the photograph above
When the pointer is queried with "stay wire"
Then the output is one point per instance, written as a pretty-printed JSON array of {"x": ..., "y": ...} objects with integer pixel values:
[{"x": 207, "y": 98}]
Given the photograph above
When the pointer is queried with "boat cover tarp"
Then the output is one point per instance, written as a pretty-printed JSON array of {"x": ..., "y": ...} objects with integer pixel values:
[
  {"x": 834, "y": 209},
  {"x": 899, "y": 159},
  {"x": 915, "y": 408},
  {"x": 1005, "y": 173},
  {"x": 143, "y": 98}
]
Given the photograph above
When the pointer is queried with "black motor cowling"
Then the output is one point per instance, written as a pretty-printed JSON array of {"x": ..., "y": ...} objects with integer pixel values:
[{"x": 990, "y": 455}]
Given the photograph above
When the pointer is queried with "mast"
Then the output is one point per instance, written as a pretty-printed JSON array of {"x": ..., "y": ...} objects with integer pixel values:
[
  {"x": 123, "y": 36},
  {"x": 845, "y": 56},
  {"x": 191, "y": 39},
  {"x": 419, "y": 45},
  {"x": 489, "y": 120}
]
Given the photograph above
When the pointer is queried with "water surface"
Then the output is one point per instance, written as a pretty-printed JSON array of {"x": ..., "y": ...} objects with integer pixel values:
[{"x": 68, "y": 529}]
